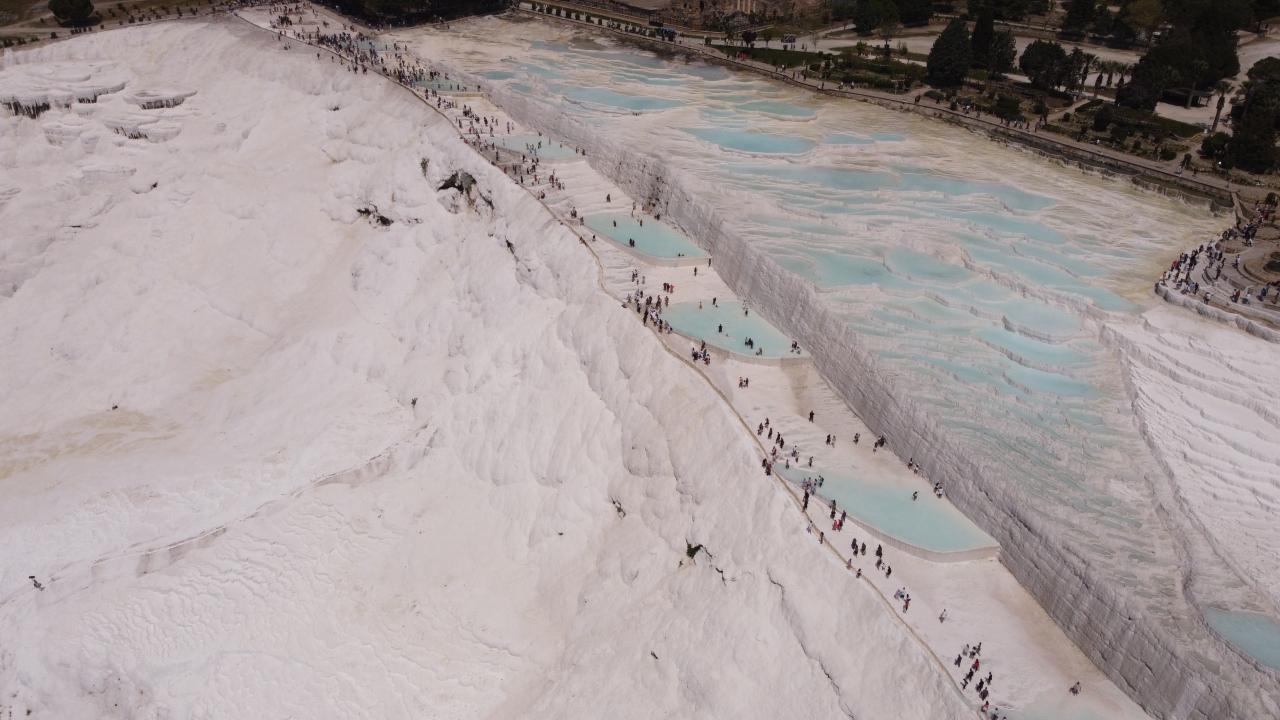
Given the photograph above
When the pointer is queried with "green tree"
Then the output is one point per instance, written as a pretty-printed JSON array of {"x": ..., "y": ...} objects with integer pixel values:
[
  {"x": 950, "y": 56},
  {"x": 983, "y": 31},
  {"x": 1046, "y": 64},
  {"x": 1008, "y": 108},
  {"x": 1102, "y": 118},
  {"x": 1220, "y": 55},
  {"x": 72, "y": 12},
  {"x": 871, "y": 15},
  {"x": 1142, "y": 16},
  {"x": 1079, "y": 64},
  {"x": 409, "y": 11},
  {"x": 842, "y": 9},
  {"x": 1009, "y": 9},
  {"x": 1214, "y": 146},
  {"x": 1234, "y": 14},
  {"x": 1253, "y": 142},
  {"x": 1104, "y": 23},
  {"x": 1150, "y": 78},
  {"x": 1192, "y": 58},
  {"x": 1263, "y": 73},
  {"x": 1223, "y": 88},
  {"x": 1079, "y": 15},
  {"x": 1004, "y": 53},
  {"x": 888, "y": 27},
  {"x": 1266, "y": 8},
  {"x": 915, "y": 12}
]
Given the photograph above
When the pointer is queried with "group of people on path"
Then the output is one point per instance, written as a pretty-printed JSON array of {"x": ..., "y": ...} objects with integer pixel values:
[
  {"x": 650, "y": 307},
  {"x": 983, "y": 687},
  {"x": 1182, "y": 276}
]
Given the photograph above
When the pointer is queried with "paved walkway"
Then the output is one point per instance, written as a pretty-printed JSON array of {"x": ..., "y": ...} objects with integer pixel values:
[{"x": 1247, "y": 279}]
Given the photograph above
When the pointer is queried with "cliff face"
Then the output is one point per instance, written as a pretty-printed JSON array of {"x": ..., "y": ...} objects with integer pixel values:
[
  {"x": 1156, "y": 646},
  {"x": 270, "y": 455}
]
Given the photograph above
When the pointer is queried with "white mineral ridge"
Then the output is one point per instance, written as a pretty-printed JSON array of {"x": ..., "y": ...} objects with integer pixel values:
[
  {"x": 268, "y": 527},
  {"x": 1193, "y": 480}
]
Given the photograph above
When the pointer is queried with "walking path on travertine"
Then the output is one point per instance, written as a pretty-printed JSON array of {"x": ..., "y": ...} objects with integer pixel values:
[{"x": 1032, "y": 661}]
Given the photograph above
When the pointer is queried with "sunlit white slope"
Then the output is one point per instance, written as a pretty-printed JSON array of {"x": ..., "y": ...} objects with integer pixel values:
[{"x": 269, "y": 525}]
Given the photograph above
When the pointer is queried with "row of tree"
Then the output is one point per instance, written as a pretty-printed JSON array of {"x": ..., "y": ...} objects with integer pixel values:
[
  {"x": 72, "y": 13},
  {"x": 81, "y": 12},
  {"x": 957, "y": 51},
  {"x": 1256, "y": 120},
  {"x": 870, "y": 16},
  {"x": 1046, "y": 64},
  {"x": 1009, "y": 10},
  {"x": 1131, "y": 22},
  {"x": 1121, "y": 21},
  {"x": 1194, "y": 53},
  {"x": 402, "y": 12},
  {"x": 1197, "y": 50}
]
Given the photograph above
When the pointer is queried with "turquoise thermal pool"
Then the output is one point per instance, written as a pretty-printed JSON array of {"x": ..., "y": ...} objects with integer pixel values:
[
  {"x": 728, "y": 326},
  {"x": 984, "y": 293},
  {"x": 926, "y": 522},
  {"x": 653, "y": 237},
  {"x": 531, "y": 144},
  {"x": 1255, "y": 634},
  {"x": 978, "y": 283}
]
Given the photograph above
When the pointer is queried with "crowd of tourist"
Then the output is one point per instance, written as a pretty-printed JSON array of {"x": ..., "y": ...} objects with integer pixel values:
[
  {"x": 481, "y": 132},
  {"x": 1210, "y": 259}
]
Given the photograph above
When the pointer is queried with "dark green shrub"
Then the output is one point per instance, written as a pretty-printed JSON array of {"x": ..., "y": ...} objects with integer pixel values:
[{"x": 1102, "y": 118}]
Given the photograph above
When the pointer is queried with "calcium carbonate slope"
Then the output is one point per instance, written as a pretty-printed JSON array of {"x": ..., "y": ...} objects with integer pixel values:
[
  {"x": 1133, "y": 602},
  {"x": 268, "y": 458}
]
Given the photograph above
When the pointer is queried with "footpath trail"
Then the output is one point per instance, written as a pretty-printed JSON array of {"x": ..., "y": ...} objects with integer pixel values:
[{"x": 1033, "y": 663}]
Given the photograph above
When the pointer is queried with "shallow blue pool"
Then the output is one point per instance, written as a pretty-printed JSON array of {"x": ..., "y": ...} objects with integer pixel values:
[
  {"x": 1032, "y": 350},
  {"x": 754, "y": 142},
  {"x": 1257, "y": 635},
  {"x": 927, "y": 522},
  {"x": 727, "y": 325},
  {"x": 847, "y": 139},
  {"x": 654, "y": 237},
  {"x": 611, "y": 98},
  {"x": 777, "y": 107},
  {"x": 529, "y": 143}
]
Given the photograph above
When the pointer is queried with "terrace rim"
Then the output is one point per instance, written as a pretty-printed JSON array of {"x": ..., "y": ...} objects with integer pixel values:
[
  {"x": 989, "y": 551},
  {"x": 1219, "y": 193}
]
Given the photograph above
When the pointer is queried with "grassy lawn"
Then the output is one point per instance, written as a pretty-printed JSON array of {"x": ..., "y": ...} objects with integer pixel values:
[
  {"x": 1136, "y": 132},
  {"x": 846, "y": 67},
  {"x": 877, "y": 48},
  {"x": 1141, "y": 121},
  {"x": 773, "y": 56}
]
